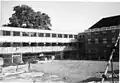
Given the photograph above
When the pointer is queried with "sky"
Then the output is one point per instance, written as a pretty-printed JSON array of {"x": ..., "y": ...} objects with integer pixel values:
[{"x": 66, "y": 16}]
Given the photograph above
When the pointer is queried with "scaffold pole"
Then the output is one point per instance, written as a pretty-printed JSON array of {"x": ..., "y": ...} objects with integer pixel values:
[{"x": 110, "y": 59}]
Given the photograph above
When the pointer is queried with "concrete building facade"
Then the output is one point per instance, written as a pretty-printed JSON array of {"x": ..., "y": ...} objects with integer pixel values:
[{"x": 99, "y": 40}]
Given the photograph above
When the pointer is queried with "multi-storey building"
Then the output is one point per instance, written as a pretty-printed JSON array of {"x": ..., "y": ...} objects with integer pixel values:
[
  {"x": 99, "y": 39},
  {"x": 95, "y": 43},
  {"x": 34, "y": 43}
]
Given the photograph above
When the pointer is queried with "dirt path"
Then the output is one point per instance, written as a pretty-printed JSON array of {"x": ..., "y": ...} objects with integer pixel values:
[{"x": 74, "y": 71}]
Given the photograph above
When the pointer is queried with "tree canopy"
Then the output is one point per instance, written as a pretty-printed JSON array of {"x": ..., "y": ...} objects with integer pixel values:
[{"x": 25, "y": 16}]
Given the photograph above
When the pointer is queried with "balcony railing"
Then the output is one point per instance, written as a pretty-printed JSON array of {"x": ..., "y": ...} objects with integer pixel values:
[{"x": 5, "y": 50}]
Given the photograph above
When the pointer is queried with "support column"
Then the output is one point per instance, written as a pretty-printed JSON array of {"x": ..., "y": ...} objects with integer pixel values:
[
  {"x": 77, "y": 54},
  {"x": 21, "y": 58},
  {"x": 112, "y": 70},
  {"x": 61, "y": 55},
  {"x": 12, "y": 59}
]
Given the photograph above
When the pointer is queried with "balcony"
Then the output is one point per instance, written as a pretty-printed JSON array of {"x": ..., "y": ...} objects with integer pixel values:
[{"x": 6, "y": 50}]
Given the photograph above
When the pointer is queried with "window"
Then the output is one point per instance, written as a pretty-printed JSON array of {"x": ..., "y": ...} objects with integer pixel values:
[
  {"x": 88, "y": 33},
  {"x": 113, "y": 40},
  {"x": 95, "y": 33},
  {"x": 60, "y": 35},
  {"x": 74, "y": 44},
  {"x": 25, "y": 44},
  {"x": 70, "y": 36},
  {"x": 92, "y": 50},
  {"x": 60, "y": 44},
  {"x": 89, "y": 50},
  {"x": 25, "y": 33},
  {"x": 89, "y": 41},
  {"x": 65, "y": 44},
  {"x": 75, "y": 36},
  {"x": 70, "y": 44},
  {"x": 48, "y": 44},
  {"x": 53, "y": 35},
  {"x": 15, "y": 33},
  {"x": 16, "y": 44},
  {"x": 104, "y": 40},
  {"x": 6, "y": 33},
  {"x": 104, "y": 32},
  {"x": 113, "y": 31},
  {"x": 96, "y": 41},
  {"x": 65, "y": 35},
  {"x": 40, "y": 44},
  {"x": 47, "y": 35},
  {"x": 6, "y": 44},
  {"x": 54, "y": 44},
  {"x": 79, "y": 36},
  {"x": 41, "y": 34},
  {"x": 33, "y": 34},
  {"x": 33, "y": 44}
]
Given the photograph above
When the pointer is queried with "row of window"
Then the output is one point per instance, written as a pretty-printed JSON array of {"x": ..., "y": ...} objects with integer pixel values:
[
  {"x": 104, "y": 32},
  {"x": 18, "y": 44},
  {"x": 34, "y": 34},
  {"x": 81, "y": 36},
  {"x": 92, "y": 50},
  {"x": 104, "y": 40}
]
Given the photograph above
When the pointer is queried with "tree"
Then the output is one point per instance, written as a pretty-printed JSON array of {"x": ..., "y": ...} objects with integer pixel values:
[{"x": 25, "y": 16}]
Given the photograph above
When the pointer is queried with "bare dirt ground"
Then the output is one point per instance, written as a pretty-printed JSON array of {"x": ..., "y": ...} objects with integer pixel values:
[{"x": 57, "y": 71}]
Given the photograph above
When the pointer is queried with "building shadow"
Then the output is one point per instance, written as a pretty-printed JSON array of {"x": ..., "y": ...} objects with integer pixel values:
[{"x": 99, "y": 78}]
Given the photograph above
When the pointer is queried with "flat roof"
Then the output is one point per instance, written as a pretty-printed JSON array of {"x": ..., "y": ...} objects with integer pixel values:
[{"x": 34, "y": 30}]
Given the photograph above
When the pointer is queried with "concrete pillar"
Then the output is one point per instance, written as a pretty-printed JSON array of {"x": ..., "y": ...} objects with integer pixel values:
[
  {"x": 21, "y": 56},
  {"x": 61, "y": 55},
  {"x": 46, "y": 59},
  {"x": 52, "y": 57},
  {"x": 77, "y": 54},
  {"x": 12, "y": 58}
]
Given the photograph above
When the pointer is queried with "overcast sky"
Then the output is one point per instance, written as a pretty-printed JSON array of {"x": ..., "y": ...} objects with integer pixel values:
[{"x": 70, "y": 16}]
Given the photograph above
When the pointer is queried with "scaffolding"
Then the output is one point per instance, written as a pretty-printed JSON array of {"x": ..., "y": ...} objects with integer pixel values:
[{"x": 110, "y": 61}]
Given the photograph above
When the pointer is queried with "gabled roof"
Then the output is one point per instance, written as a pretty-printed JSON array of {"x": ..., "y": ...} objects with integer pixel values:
[{"x": 108, "y": 21}]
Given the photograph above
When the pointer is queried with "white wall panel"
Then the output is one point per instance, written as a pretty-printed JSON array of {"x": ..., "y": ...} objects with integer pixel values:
[{"x": 4, "y": 50}]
